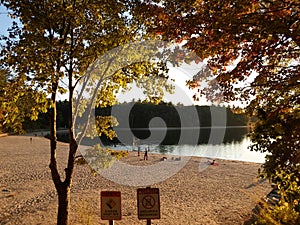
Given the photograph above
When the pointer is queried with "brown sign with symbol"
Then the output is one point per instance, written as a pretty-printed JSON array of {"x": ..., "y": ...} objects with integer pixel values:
[
  {"x": 148, "y": 203},
  {"x": 110, "y": 205}
]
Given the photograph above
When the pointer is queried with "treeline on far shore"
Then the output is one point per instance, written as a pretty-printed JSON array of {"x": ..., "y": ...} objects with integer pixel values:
[
  {"x": 42, "y": 123},
  {"x": 140, "y": 114}
]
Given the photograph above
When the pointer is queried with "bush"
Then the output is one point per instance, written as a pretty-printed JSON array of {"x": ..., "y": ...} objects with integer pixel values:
[{"x": 287, "y": 210}]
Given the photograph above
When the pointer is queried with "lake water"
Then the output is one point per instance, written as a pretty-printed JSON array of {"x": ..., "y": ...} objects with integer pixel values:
[
  {"x": 233, "y": 146},
  {"x": 231, "y": 151}
]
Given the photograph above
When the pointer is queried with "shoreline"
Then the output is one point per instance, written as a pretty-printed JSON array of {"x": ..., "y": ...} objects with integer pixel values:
[{"x": 129, "y": 148}]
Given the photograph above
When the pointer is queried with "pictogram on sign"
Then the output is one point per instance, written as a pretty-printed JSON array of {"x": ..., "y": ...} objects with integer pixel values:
[
  {"x": 148, "y": 203},
  {"x": 111, "y": 205}
]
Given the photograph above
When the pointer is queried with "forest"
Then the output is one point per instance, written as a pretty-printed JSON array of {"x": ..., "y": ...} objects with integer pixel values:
[{"x": 141, "y": 114}]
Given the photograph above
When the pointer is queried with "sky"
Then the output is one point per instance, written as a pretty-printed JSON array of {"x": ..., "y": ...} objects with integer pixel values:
[
  {"x": 182, "y": 93},
  {"x": 5, "y": 21}
]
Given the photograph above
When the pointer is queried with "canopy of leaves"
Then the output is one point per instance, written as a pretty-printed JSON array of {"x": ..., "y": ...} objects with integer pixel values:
[
  {"x": 18, "y": 103},
  {"x": 53, "y": 44},
  {"x": 59, "y": 38},
  {"x": 260, "y": 36}
]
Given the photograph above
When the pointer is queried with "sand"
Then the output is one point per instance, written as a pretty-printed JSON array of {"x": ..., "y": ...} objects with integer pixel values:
[{"x": 196, "y": 194}]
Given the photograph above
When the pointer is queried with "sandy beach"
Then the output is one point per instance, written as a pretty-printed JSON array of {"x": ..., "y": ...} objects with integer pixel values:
[{"x": 196, "y": 194}]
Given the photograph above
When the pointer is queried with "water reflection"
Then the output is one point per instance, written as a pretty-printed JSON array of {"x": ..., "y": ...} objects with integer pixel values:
[
  {"x": 164, "y": 137},
  {"x": 231, "y": 151},
  {"x": 180, "y": 136}
]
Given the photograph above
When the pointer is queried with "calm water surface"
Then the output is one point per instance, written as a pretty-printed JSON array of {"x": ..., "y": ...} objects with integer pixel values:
[
  {"x": 233, "y": 146},
  {"x": 230, "y": 151}
]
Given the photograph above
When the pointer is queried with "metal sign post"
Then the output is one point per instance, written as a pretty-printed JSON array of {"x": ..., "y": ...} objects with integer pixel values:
[
  {"x": 148, "y": 204},
  {"x": 111, "y": 206}
]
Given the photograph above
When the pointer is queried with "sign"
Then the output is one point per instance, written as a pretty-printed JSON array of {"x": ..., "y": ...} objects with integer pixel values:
[
  {"x": 148, "y": 203},
  {"x": 110, "y": 205}
]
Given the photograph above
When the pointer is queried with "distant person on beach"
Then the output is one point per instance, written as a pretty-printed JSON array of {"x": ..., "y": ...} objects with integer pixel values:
[
  {"x": 31, "y": 140},
  {"x": 146, "y": 154},
  {"x": 211, "y": 162}
]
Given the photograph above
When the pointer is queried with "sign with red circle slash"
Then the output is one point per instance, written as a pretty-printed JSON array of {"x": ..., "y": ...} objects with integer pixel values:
[{"x": 148, "y": 203}]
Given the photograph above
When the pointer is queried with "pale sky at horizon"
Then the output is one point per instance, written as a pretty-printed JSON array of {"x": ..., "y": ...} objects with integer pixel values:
[{"x": 182, "y": 94}]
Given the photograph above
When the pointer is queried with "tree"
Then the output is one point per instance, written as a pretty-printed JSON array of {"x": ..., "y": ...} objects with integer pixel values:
[
  {"x": 17, "y": 103},
  {"x": 52, "y": 46},
  {"x": 3, "y": 85},
  {"x": 252, "y": 48},
  {"x": 260, "y": 36}
]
